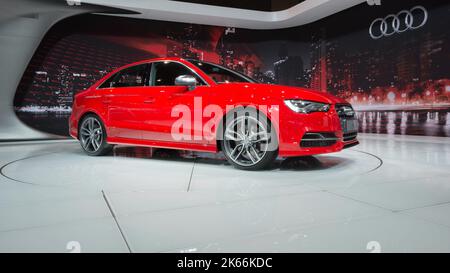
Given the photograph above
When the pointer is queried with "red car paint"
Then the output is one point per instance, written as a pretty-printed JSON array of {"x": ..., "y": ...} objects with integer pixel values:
[{"x": 141, "y": 116}]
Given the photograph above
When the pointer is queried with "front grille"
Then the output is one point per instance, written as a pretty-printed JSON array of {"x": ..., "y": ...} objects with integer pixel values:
[
  {"x": 345, "y": 111},
  {"x": 311, "y": 140},
  {"x": 349, "y": 123}
]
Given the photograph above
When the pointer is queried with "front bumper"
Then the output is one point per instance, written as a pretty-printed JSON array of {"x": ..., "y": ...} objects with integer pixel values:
[{"x": 315, "y": 133}]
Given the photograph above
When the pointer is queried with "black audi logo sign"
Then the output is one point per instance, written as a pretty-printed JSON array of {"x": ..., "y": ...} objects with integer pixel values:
[{"x": 405, "y": 20}]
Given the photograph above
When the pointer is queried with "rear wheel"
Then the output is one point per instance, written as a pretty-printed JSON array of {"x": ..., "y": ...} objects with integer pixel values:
[
  {"x": 92, "y": 136},
  {"x": 249, "y": 142}
]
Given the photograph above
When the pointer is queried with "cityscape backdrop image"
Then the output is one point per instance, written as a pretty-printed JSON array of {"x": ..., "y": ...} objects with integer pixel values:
[{"x": 399, "y": 83}]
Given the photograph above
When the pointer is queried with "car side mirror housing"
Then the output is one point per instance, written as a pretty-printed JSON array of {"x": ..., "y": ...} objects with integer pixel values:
[{"x": 186, "y": 80}]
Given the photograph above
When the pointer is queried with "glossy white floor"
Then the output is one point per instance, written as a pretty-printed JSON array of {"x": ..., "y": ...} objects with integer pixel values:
[{"x": 389, "y": 192}]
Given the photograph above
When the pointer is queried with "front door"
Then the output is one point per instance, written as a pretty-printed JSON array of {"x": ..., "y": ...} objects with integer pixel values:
[{"x": 169, "y": 99}]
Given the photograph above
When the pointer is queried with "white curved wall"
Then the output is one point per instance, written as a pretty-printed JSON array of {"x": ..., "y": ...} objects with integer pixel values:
[
  {"x": 19, "y": 37},
  {"x": 166, "y": 10}
]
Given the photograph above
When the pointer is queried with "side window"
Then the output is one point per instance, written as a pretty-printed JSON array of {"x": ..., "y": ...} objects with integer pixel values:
[
  {"x": 129, "y": 77},
  {"x": 107, "y": 83},
  {"x": 164, "y": 73}
]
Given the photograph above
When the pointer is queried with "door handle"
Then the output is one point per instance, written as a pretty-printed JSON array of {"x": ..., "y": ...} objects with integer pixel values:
[{"x": 149, "y": 100}]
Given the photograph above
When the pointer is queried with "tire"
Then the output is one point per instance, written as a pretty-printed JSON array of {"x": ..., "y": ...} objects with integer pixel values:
[
  {"x": 248, "y": 140},
  {"x": 92, "y": 136}
]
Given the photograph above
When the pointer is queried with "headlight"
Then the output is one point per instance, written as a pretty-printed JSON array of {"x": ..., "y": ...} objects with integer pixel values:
[{"x": 304, "y": 106}]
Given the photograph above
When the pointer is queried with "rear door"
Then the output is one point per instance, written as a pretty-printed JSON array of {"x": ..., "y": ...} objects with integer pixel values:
[{"x": 124, "y": 95}]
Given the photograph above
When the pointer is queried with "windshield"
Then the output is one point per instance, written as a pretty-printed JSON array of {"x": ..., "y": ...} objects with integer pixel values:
[{"x": 221, "y": 74}]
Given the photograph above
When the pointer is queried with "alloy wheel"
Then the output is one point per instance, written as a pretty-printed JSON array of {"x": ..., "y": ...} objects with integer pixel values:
[
  {"x": 91, "y": 134},
  {"x": 246, "y": 140}
]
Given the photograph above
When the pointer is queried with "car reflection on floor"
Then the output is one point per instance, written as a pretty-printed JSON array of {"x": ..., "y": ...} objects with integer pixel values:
[{"x": 303, "y": 163}]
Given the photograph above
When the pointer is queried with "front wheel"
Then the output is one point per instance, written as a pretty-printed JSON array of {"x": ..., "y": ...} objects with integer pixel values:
[
  {"x": 92, "y": 136},
  {"x": 249, "y": 141}
]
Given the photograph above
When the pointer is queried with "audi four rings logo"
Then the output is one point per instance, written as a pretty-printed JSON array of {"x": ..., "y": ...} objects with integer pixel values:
[{"x": 405, "y": 20}]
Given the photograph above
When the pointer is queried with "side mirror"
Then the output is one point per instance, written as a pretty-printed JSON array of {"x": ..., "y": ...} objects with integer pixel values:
[{"x": 186, "y": 80}]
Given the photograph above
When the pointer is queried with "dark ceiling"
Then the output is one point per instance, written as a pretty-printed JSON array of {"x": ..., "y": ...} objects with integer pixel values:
[{"x": 261, "y": 5}]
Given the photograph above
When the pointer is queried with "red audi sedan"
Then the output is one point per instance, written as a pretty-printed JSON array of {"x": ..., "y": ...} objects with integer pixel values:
[{"x": 195, "y": 105}]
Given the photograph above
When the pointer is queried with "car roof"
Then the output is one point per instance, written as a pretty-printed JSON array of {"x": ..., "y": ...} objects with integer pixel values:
[
  {"x": 178, "y": 59},
  {"x": 161, "y": 59}
]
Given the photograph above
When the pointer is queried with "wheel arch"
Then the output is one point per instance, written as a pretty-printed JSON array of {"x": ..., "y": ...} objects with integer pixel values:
[{"x": 84, "y": 115}]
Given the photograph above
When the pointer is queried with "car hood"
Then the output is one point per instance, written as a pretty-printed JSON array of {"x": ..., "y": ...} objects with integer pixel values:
[{"x": 284, "y": 92}]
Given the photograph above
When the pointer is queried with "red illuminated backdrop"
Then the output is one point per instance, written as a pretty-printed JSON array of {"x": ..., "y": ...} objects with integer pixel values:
[{"x": 399, "y": 84}]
